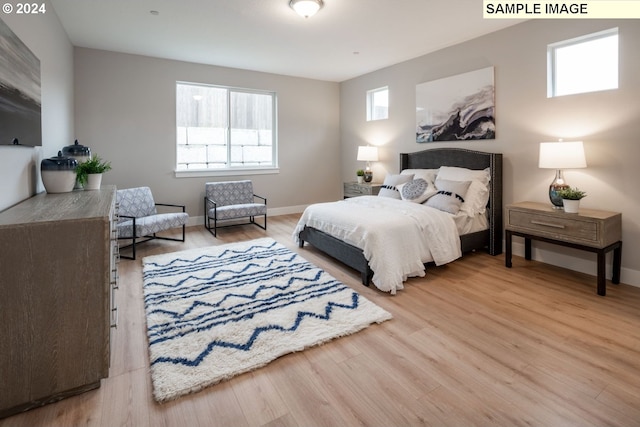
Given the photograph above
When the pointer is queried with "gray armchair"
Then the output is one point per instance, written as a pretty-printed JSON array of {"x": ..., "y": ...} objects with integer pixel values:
[
  {"x": 139, "y": 218},
  {"x": 232, "y": 200}
]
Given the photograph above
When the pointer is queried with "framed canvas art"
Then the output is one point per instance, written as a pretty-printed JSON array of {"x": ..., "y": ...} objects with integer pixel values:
[
  {"x": 456, "y": 108},
  {"x": 20, "y": 97}
]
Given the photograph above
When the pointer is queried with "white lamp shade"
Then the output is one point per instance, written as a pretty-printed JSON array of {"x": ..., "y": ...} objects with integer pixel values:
[
  {"x": 367, "y": 154},
  {"x": 306, "y": 8},
  {"x": 562, "y": 155}
]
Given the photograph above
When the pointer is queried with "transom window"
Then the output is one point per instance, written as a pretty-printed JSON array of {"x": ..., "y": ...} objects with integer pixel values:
[
  {"x": 221, "y": 128},
  {"x": 378, "y": 104},
  {"x": 583, "y": 64}
]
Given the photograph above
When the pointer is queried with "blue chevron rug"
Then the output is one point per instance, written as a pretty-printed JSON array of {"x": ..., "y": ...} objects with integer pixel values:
[{"x": 216, "y": 312}]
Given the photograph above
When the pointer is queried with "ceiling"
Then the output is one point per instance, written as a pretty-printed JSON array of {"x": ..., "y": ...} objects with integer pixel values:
[{"x": 345, "y": 39}]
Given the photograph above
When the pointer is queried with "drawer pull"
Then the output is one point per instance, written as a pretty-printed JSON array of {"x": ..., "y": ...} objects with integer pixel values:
[
  {"x": 547, "y": 224},
  {"x": 114, "y": 318}
]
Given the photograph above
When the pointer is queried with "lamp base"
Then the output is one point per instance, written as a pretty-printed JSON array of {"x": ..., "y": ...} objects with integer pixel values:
[
  {"x": 557, "y": 185},
  {"x": 368, "y": 176}
]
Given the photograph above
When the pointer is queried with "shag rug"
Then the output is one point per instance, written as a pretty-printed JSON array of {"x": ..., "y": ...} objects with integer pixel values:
[{"x": 216, "y": 312}]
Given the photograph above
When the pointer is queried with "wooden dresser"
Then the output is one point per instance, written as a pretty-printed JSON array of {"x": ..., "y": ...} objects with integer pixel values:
[{"x": 58, "y": 274}]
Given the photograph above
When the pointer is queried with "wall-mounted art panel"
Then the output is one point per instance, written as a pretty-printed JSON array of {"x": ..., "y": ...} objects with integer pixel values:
[
  {"x": 456, "y": 108},
  {"x": 20, "y": 97}
]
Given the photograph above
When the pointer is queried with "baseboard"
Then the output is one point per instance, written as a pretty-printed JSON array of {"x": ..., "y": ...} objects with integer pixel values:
[{"x": 627, "y": 275}]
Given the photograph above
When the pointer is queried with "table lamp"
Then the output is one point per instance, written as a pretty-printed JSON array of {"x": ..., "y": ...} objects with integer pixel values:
[
  {"x": 559, "y": 156},
  {"x": 367, "y": 154}
]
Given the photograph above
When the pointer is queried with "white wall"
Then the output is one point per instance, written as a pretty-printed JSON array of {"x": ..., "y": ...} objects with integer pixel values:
[
  {"x": 125, "y": 112},
  {"x": 608, "y": 122},
  {"x": 44, "y": 35}
]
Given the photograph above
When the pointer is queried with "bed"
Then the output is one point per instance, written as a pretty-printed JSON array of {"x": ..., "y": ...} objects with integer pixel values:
[{"x": 488, "y": 237}]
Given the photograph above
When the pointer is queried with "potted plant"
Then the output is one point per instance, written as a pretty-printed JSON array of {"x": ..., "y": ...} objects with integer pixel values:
[
  {"x": 89, "y": 173},
  {"x": 360, "y": 175},
  {"x": 571, "y": 198}
]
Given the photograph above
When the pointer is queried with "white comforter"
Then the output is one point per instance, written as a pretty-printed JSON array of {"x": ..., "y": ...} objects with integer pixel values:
[{"x": 396, "y": 236}]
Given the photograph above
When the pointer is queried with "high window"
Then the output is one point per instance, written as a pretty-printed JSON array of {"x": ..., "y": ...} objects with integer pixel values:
[
  {"x": 225, "y": 129},
  {"x": 378, "y": 104},
  {"x": 584, "y": 64}
]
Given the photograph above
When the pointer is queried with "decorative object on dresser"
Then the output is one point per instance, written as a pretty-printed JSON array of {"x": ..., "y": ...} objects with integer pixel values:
[
  {"x": 367, "y": 154},
  {"x": 139, "y": 218},
  {"x": 560, "y": 155},
  {"x": 360, "y": 175},
  {"x": 59, "y": 173},
  {"x": 231, "y": 200},
  {"x": 571, "y": 199},
  {"x": 78, "y": 152},
  {"x": 57, "y": 296},
  {"x": 90, "y": 172},
  {"x": 355, "y": 189},
  {"x": 216, "y": 312},
  {"x": 590, "y": 230}
]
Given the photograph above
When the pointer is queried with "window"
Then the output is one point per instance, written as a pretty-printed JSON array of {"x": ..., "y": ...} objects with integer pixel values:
[
  {"x": 583, "y": 64},
  {"x": 378, "y": 104},
  {"x": 222, "y": 129}
]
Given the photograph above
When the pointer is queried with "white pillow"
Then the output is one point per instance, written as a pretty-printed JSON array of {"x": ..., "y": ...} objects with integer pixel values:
[
  {"x": 417, "y": 190},
  {"x": 428, "y": 175},
  {"x": 389, "y": 186},
  {"x": 450, "y": 195},
  {"x": 478, "y": 192}
]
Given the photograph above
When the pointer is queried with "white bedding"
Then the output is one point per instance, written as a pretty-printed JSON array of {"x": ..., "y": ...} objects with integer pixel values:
[{"x": 397, "y": 239}]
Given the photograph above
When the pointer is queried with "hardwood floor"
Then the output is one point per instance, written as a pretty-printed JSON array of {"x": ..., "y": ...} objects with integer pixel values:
[{"x": 471, "y": 344}]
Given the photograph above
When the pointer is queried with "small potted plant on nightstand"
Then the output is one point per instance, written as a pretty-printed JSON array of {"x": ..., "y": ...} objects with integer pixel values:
[
  {"x": 360, "y": 175},
  {"x": 90, "y": 172},
  {"x": 571, "y": 198}
]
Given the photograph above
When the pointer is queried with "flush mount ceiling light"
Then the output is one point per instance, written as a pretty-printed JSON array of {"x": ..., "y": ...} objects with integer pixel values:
[{"x": 306, "y": 8}]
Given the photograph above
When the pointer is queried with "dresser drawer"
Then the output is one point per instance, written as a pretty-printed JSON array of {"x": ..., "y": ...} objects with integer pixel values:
[{"x": 569, "y": 229}]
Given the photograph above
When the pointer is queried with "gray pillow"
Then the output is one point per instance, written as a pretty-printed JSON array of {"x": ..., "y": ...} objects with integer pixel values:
[
  {"x": 389, "y": 186},
  {"x": 450, "y": 195}
]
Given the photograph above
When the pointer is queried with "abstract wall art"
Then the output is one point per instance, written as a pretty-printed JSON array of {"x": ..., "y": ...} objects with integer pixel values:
[
  {"x": 20, "y": 96},
  {"x": 456, "y": 108}
]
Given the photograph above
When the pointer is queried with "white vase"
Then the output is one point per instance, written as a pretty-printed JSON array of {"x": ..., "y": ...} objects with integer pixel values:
[
  {"x": 360, "y": 179},
  {"x": 571, "y": 206},
  {"x": 93, "y": 181}
]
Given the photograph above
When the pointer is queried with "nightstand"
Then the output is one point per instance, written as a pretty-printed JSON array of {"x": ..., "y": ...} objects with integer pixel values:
[
  {"x": 589, "y": 230},
  {"x": 353, "y": 189}
]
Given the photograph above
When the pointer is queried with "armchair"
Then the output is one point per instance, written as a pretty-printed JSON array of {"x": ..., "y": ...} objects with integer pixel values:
[
  {"x": 231, "y": 200},
  {"x": 137, "y": 211}
]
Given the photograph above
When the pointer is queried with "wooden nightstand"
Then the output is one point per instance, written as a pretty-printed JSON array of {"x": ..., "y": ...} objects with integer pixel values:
[
  {"x": 353, "y": 189},
  {"x": 590, "y": 230}
]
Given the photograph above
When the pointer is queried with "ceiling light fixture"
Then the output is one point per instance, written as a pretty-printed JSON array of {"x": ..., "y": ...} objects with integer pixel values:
[{"x": 306, "y": 8}]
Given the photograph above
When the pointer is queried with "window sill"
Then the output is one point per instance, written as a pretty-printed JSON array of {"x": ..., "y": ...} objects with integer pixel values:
[{"x": 195, "y": 173}]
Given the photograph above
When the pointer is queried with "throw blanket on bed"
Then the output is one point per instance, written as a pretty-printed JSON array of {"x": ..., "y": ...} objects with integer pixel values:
[{"x": 396, "y": 236}]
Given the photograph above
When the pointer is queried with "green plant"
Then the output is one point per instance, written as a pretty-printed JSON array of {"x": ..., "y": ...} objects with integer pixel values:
[
  {"x": 570, "y": 193},
  {"x": 94, "y": 165},
  {"x": 360, "y": 172}
]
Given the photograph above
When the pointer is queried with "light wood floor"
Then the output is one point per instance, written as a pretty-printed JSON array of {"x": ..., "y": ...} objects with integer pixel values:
[{"x": 471, "y": 344}]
